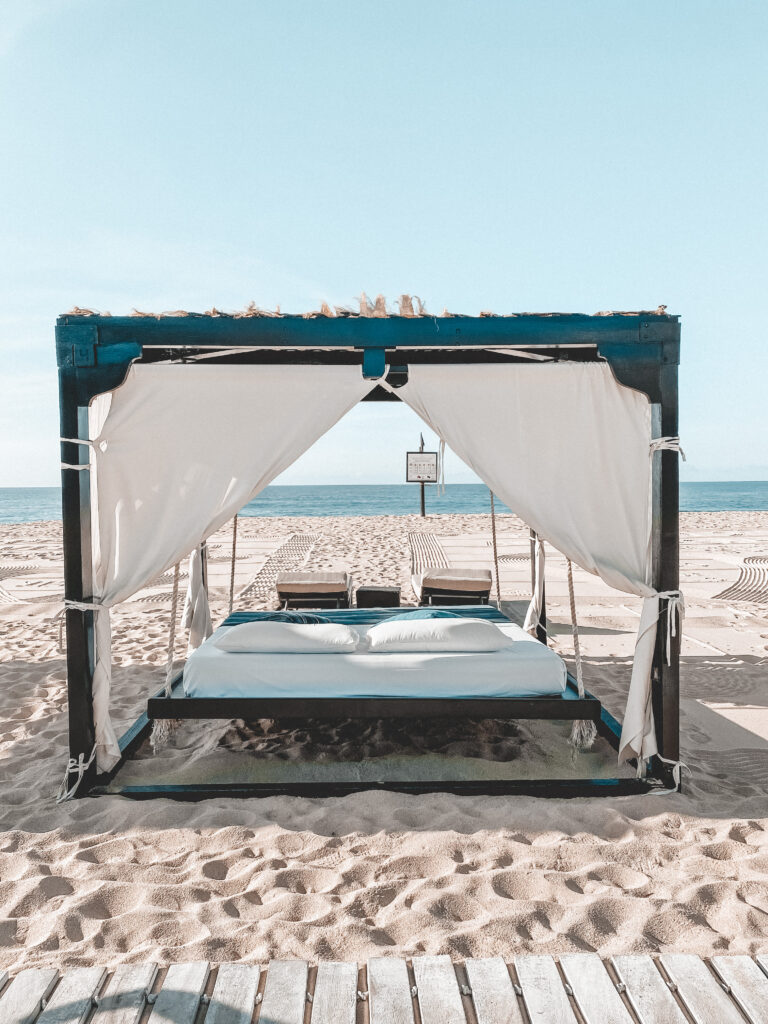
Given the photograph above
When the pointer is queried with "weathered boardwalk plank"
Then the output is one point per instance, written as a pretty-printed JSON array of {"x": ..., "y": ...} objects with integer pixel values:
[
  {"x": 646, "y": 990},
  {"x": 493, "y": 992},
  {"x": 594, "y": 992},
  {"x": 22, "y": 1000},
  {"x": 544, "y": 996},
  {"x": 179, "y": 998},
  {"x": 73, "y": 999},
  {"x": 125, "y": 996},
  {"x": 748, "y": 985},
  {"x": 234, "y": 995},
  {"x": 335, "y": 996},
  {"x": 389, "y": 991},
  {"x": 702, "y": 996},
  {"x": 285, "y": 994},
  {"x": 578, "y": 990},
  {"x": 438, "y": 990}
]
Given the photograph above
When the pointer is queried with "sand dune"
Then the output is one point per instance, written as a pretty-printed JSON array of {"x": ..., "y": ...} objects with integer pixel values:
[{"x": 110, "y": 880}]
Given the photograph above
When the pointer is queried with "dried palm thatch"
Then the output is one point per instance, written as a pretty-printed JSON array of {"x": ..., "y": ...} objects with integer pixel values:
[{"x": 405, "y": 306}]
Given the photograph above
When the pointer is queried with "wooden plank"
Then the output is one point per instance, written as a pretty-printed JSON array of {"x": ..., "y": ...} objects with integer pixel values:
[
  {"x": 438, "y": 990},
  {"x": 701, "y": 994},
  {"x": 21, "y": 1001},
  {"x": 389, "y": 991},
  {"x": 748, "y": 985},
  {"x": 543, "y": 993},
  {"x": 335, "y": 996},
  {"x": 593, "y": 989},
  {"x": 493, "y": 992},
  {"x": 234, "y": 994},
  {"x": 125, "y": 996},
  {"x": 285, "y": 994},
  {"x": 179, "y": 998},
  {"x": 72, "y": 1001},
  {"x": 648, "y": 993}
]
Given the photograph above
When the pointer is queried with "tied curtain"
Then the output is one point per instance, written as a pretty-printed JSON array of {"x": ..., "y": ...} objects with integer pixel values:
[
  {"x": 176, "y": 451},
  {"x": 568, "y": 449}
]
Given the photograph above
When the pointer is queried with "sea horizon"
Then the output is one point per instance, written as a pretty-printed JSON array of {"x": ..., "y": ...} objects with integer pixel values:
[{"x": 41, "y": 504}]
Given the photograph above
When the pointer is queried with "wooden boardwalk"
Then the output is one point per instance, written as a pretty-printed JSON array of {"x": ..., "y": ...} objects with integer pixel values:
[{"x": 578, "y": 988}]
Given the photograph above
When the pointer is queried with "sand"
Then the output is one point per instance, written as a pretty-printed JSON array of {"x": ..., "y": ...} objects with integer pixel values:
[{"x": 108, "y": 880}]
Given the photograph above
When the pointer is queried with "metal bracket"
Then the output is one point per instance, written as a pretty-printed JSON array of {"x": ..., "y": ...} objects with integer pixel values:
[{"x": 374, "y": 363}]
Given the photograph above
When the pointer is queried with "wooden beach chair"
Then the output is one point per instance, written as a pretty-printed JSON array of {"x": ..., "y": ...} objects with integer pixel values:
[
  {"x": 452, "y": 586},
  {"x": 305, "y": 588}
]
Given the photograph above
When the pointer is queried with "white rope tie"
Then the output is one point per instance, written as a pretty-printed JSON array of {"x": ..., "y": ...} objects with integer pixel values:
[
  {"x": 71, "y": 465},
  {"x": 667, "y": 444},
  {"x": 232, "y": 569},
  {"x": 675, "y": 612},
  {"x": 78, "y": 765},
  {"x": 77, "y": 440},
  {"x": 678, "y": 767},
  {"x": 495, "y": 548},
  {"x": 80, "y": 606}
]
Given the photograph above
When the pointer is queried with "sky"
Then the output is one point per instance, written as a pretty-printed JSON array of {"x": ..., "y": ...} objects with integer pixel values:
[{"x": 486, "y": 155}]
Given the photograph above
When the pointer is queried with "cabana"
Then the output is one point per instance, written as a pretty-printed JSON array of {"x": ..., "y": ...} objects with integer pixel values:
[{"x": 172, "y": 423}]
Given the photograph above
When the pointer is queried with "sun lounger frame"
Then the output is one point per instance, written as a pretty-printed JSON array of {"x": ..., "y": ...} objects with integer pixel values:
[{"x": 94, "y": 354}]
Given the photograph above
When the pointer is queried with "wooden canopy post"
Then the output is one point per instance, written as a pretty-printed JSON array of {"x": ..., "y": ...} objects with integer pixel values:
[
  {"x": 666, "y": 677},
  {"x": 78, "y": 575}
]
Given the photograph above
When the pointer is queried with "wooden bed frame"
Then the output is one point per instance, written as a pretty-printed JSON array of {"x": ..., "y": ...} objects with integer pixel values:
[{"x": 94, "y": 354}]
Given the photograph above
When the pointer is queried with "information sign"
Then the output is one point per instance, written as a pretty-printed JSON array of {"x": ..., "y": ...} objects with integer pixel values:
[{"x": 421, "y": 468}]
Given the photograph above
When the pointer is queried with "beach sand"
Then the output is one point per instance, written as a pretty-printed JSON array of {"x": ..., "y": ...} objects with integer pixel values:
[{"x": 108, "y": 880}]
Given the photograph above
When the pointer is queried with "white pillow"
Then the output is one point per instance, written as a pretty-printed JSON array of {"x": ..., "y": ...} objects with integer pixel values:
[
  {"x": 437, "y": 635},
  {"x": 268, "y": 637}
]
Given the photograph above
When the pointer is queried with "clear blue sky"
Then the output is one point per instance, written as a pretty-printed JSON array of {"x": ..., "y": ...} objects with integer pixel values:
[{"x": 561, "y": 155}]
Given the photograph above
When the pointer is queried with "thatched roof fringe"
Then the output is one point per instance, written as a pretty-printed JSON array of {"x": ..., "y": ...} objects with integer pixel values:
[{"x": 405, "y": 306}]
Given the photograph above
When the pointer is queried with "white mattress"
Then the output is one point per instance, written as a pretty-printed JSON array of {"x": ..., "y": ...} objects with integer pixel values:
[{"x": 527, "y": 669}]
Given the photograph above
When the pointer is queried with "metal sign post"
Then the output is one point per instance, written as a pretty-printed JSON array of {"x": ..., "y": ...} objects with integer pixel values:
[{"x": 421, "y": 468}]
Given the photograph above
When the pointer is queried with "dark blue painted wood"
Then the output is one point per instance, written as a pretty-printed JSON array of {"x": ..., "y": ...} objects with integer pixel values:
[{"x": 560, "y": 329}]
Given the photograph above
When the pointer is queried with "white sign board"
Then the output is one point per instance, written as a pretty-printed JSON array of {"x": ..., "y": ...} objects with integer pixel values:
[{"x": 421, "y": 468}]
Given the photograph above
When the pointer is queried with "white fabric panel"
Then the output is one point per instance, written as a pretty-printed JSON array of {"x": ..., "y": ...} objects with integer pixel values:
[
  {"x": 524, "y": 669},
  {"x": 535, "y": 608},
  {"x": 637, "y": 732},
  {"x": 196, "y": 616},
  {"x": 568, "y": 449},
  {"x": 181, "y": 449},
  {"x": 562, "y": 444}
]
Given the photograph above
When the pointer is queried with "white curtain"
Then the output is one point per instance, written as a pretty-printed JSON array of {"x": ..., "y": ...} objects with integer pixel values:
[
  {"x": 536, "y": 607},
  {"x": 177, "y": 451},
  {"x": 568, "y": 449}
]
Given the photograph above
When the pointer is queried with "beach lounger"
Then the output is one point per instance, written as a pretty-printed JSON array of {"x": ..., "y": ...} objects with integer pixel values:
[
  {"x": 452, "y": 586},
  {"x": 305, "y": 588}
]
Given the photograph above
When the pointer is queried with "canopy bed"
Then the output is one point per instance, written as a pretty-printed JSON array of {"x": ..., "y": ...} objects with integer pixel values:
[{"x": 170, "y": 424}]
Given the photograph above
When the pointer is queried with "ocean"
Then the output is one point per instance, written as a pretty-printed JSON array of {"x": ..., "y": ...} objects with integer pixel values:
[{"x": 33, "y": 504}]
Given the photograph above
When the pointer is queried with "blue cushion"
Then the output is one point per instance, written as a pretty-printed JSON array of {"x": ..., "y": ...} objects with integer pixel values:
[
  {"x": 423, "y": 613},
  {"x": 288, "y": 616}
]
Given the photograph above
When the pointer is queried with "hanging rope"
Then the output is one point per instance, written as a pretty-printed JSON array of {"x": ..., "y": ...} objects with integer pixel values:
[
  {"x": 232, "y": 568},
  {"x": 495, "y": 548},
  {"x": 162, "y": 727},
  {"x": 172, "y": 631},
  {"x": 583, "y": 733}
]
